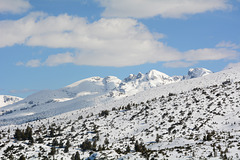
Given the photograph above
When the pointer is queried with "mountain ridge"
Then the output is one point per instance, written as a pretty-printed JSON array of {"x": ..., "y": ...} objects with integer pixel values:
[{"x": 84, "y": 93}]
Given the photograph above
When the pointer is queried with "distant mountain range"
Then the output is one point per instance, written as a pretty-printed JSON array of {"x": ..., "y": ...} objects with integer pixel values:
[{"x": 85, "y": 93}]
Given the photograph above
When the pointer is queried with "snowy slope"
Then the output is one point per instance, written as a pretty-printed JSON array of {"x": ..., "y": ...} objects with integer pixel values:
[
  {"x": 85, "y": 93},
  {"x": 7, "y": 100},
  {"x": 191, "y": 119}
]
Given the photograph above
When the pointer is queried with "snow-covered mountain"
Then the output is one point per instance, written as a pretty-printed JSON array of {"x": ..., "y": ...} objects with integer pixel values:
[
  {"x": 197, "y": 72},
  {"x": 85, "y": 93},
  {"x": 140, "y": 82},
  {"x": 7, "y": 100},
  {"x": 191, "y": 119}
]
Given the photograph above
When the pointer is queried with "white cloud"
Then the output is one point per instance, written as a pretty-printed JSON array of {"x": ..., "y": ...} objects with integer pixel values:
[
  {"x": 33, "y": 63},
  {"x": 164, "y": 8},
  {"x": 19, "y": 64},
  {"x": 179, "y": 64},
  {"x": 61, "y": 58},
  {"x": 14, "y": 6},
  {"x": 106, "y": 42},
  {"x": 228, "y": 44},
  {"x": 210, "y": 54}
]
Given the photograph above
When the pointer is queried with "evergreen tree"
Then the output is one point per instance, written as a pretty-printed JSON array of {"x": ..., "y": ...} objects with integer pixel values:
[
  {"x": 11, "y": 157},
  {"x": 77, "y": 156},
  {"x": 118, "y": 150},
  {"x": 52, "y": 132},
  {"x": 106, "y": 142},
  {"x": 73, "y": 157},
  {"x": 103, "y": 148},
  {"x": 128, "y": 107},
  {"x": 136, "y": 146},
  {"x": 128, "y": 149},
  {"x": 61, "y": 143},
  {"x": 86, "y": 145},
  {"x": 94, "y": 146},
  {"x": 99, "y": 148},
  {"x": 66, "y": 149},
  {"x": 22, "y": 158},
  {"x": 53, "y": 151},
  {"x": 28, "y": 133},
  {"x": 72, "y": 129},
  {"x": 157, "y": 138},
  {"x": 18, "y": 134},
  {"x": 142, "y": 147},
  {"x": 68, "y": 143},
  {"x": 55, "y": 142}
]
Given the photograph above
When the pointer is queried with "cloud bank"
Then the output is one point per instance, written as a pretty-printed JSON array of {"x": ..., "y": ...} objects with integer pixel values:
[
  {"x": 164, "y": 8},
  {"x": 114, "y": 42},
  {"x": 228, "y": 44},
  {"x": 14, "y": 6},
  {"x": 178, "y": 64}
]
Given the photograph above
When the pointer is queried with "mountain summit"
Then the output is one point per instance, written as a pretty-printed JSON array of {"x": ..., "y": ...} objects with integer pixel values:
[
  {"x": 7, "y": 100},
  {"x": 197, "y": 72}
]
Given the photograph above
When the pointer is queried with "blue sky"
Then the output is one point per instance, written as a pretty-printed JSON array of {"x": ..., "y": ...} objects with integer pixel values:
[{"x": 49, "y": 44}]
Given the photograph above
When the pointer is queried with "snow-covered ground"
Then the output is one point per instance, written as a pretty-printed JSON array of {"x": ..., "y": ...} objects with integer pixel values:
[{"x": 191, "y": 119}]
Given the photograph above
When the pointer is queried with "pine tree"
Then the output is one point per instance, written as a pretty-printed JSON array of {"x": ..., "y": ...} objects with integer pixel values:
[
  {"x": 73, "y": 157},
  {"x": 86, "y": 145},
  {"x": 22, "y": 158},
  {"x": 68, "y": 143},
  {"x": 61, "y": 143},
  {"x": 99, "y": 148},
  {"x": 106, "y": 142},
  {"x": 53, "y": 151},
  {"x": 118, "y": 150},
  {"x": 28, "y": 133},
  {"x": 18, "y": 134},
  {"x": 128, "y": 149},
  {"x": 157, "y": 138},
  {"x": 52, "y": 132},
  {"x": 72, "y": 129},
  {"x": 128, "y": 107},
  {"x": 94, "y": 146},
  {"x": 136, "y": 146},
  {"x": 11, "y": 157},
  {"x": 55, "y": 142},
  {"x": 66, "y": 149},
  {"x": 77, "y": 156}
]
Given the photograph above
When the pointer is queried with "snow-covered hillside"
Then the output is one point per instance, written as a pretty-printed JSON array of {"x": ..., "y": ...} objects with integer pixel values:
[
  {"x": 7, "y": 100},
  {"x": 86, "y": 93},
  {"x": 191, "y": 119}
]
